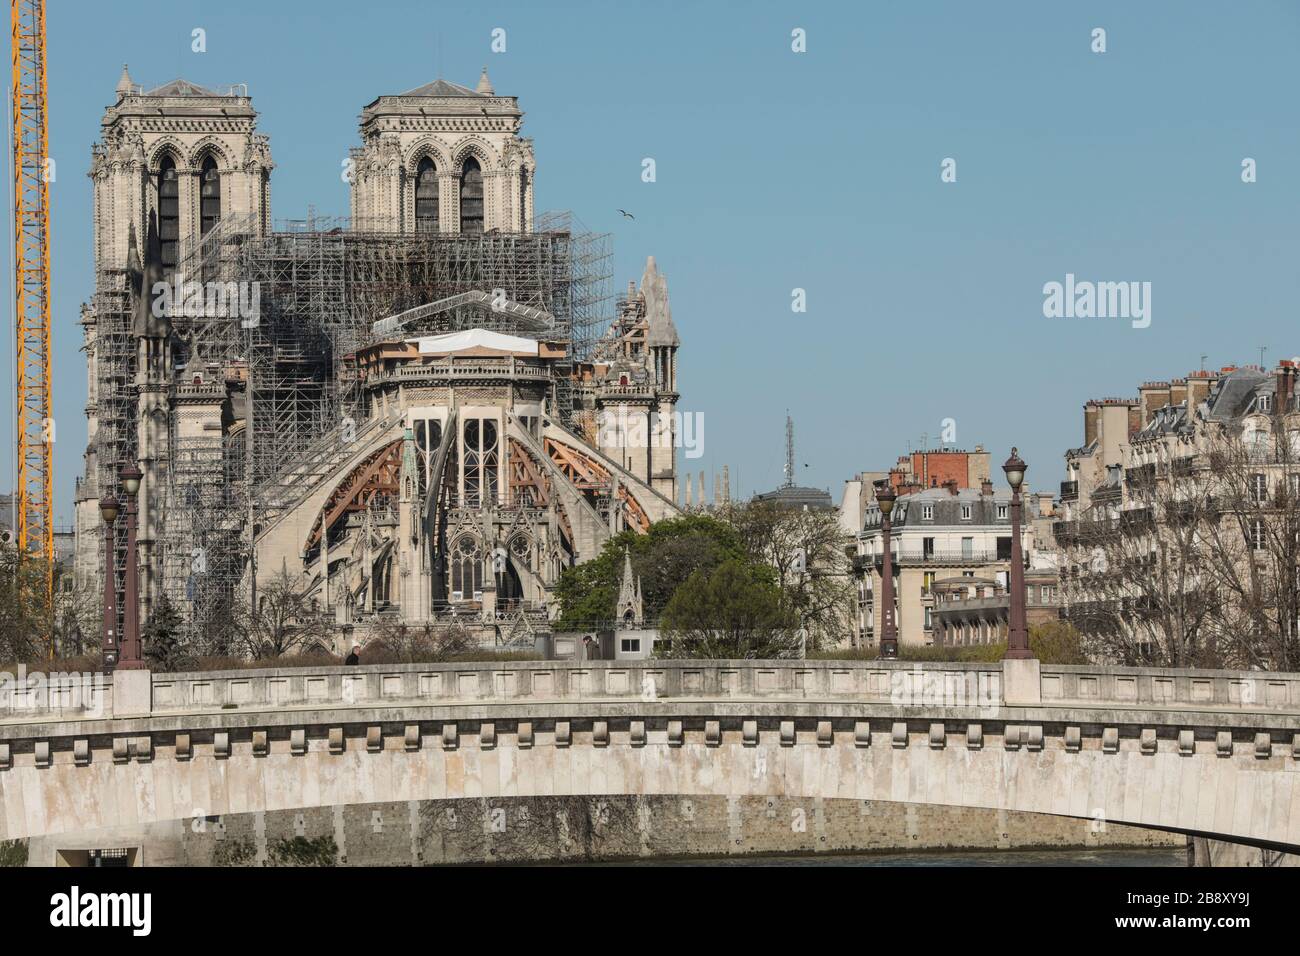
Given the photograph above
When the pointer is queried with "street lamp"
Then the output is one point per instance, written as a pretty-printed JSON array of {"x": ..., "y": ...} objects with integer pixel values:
[
  {"x": 108, "y": 509},
  {"x": 885, "y": 497},
  {"x": 131, "y": 658},
  {"x": 1017, "y": 632}
]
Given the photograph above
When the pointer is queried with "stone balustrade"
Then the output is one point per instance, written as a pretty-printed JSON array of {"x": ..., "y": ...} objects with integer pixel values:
[{"x": 901, "y": 683}]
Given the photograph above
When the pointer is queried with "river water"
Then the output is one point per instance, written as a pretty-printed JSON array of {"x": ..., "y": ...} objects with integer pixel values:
[{"x": 1157, "y": 856}]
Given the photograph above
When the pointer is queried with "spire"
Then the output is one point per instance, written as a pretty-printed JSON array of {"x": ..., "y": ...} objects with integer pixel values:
[
  {"x": 484, "y": 84},
  {"x": 659, "y": 314},
  {"x": 630, "y": 612},
  {"x": 627, "y": 591},
  {"x": 124, "y": 84}
]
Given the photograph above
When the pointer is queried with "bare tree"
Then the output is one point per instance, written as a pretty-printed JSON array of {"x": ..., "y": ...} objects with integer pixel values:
[
  {"x": 420, "y": 643},
  {"x": 1198, "y": 567},
  {"x": 1252, "y": 543},
  {"x": 809, "y": 551},
  {"x": 284, "y": 620},
  {"x": 1133, "y": 577}
]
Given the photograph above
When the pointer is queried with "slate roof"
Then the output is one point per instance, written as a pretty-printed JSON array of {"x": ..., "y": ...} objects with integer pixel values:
[
  {"x": 182, "y": 87},
  {"x": 1234, "y": 395},
  {"x": 909, "y": 510},
  {"x": 441, "y": 87}
]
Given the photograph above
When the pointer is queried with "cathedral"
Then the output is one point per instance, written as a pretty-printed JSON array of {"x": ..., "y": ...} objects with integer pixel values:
[{"x": 419, "y": 414}]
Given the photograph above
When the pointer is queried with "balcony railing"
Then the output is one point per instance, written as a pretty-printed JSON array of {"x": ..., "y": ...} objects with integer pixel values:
[
  {"x": 974, "y": 556},
  {"x": 1069, "y": 489},
  {"x": 1083, "y": 532}
]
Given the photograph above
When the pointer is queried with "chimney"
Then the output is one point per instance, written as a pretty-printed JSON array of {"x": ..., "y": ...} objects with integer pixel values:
[
  {"x": 1178, "y": 391},
  {"x": 1090, "y": 416},
  {"x": 1198, "y": 388},
  {"x": 986, "y": 487},
  {"x": 951, "y": 485},
  {"x": 1285, "y": 377}
]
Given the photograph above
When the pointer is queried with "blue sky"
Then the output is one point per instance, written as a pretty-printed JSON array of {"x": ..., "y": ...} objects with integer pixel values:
[{"x": 819, "y": 171}]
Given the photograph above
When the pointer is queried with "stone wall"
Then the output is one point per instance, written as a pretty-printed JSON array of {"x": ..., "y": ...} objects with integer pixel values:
[{"x": 588, "y": 828}]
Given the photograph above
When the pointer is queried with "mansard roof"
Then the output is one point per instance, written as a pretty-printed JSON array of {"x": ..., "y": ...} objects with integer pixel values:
[
  {"x": 1235, "y": 393},
  {"x": 797, "y": 498}
]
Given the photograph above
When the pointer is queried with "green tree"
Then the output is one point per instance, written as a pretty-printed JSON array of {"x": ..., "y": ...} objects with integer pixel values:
[
  {"x": 664, "y": 557},
  {"x": 735, "y": 610},
  {"x": 1057, "y": 642},
  {"x": 162, "y": 639},
  {"x": 26, "y": 625}
]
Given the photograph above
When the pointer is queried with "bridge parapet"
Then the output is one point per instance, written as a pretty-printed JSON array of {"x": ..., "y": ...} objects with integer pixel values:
[
  {"x": 1211, "y": 752},
  {"x": 555, "y": 681},
  {"x": 1129, "y": 687},
  {"x": 900, "y": 683}
]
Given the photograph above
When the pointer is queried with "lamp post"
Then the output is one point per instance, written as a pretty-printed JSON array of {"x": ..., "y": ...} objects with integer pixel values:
[
  {"x": 1017, "y": 632},
  {"x": 885, "y": 497},
  {"x": 108, "y": 509},
  {"x": 131, "y": 658}
]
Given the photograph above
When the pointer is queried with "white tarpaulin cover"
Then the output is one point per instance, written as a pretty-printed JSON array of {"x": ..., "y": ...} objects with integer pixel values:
[{"x": 474, "y": 338}]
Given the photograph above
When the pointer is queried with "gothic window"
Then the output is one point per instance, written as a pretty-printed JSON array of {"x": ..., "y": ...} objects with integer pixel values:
[
  {"x": 522, "y": 551},
  {"x": 209, "y": 196},
  {"x": 426, "y": 197},
  {"x": 428, "y": 436},
  {"x": 466, "y": 570},
  {"x": 169, "y": 212},
  {"x": 471, "y": 196},
  {"x": 479, "y": 444}
]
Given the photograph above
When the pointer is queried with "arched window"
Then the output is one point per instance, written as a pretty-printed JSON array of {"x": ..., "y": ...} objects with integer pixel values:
[
  {"x": 466, "y": 570},
  {"x": 169, "y": 212},
  {"x": 426, "y": 197},
  {"x": 471, "y": 196},
  {"x": 209, "y": 196}
]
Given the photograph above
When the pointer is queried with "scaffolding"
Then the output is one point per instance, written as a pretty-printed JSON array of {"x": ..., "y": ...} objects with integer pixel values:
[
  {"x": 320, "y": 286},
  {"x": 115, "y": 406}
]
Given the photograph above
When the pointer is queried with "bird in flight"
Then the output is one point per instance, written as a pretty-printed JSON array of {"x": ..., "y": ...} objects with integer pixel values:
[{"x": 627, "y": 214}]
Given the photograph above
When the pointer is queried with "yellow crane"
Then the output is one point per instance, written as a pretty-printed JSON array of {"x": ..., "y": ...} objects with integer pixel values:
[{"x": 35, "y": 489}]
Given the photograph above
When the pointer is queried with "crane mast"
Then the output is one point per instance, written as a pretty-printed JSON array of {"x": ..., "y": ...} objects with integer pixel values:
[{"x": 34, "y": 427}]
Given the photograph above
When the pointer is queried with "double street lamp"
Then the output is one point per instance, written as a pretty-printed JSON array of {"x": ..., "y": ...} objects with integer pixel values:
[{"x": 122, "y": 651}]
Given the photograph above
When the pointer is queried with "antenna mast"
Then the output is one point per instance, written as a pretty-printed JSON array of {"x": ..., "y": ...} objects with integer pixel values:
[{"x": 789, "y": 450}]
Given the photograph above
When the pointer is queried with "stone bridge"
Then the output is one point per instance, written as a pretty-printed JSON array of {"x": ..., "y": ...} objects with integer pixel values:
[{"x": 1214, "y": 753}]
